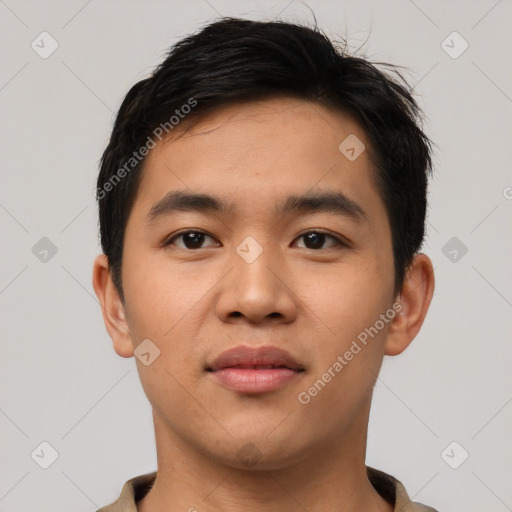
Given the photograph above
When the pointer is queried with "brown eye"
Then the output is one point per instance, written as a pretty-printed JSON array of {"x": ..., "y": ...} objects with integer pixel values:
[
  {"x": 316, "y": 239},
  {"x": 189, "y": 240}
]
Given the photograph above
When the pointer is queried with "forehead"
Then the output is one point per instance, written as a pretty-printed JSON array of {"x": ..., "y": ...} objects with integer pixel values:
[{"x": 255, "y": 153}]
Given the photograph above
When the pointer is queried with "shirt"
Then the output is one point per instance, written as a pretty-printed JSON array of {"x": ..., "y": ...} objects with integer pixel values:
[{"x": 386, "y": 485}]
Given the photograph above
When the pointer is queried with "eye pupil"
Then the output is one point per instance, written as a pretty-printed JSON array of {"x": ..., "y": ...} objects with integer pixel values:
[
  {"x": 193, "y": 240},
  {"x": 316, "y": 240}
]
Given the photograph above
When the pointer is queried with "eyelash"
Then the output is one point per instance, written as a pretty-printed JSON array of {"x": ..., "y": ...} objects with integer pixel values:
[{"x": 337, "y": 241}]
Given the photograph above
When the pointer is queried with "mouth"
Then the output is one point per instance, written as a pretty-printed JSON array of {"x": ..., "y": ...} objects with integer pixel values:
[{"x": 255, "y": 370}]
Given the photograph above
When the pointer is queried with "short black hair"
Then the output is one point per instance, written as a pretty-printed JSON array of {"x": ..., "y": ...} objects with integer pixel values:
[{"x": 234, "y": 60}]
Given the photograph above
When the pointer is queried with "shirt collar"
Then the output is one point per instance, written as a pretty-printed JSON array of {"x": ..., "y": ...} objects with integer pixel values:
[{"x": 386, "y": 485}]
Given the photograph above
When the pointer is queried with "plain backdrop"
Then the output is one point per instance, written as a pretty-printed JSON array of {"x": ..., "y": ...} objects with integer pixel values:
[{"x": 442, "y": 411}]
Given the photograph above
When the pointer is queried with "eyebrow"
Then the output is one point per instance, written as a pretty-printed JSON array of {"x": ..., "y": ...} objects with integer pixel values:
[{"x": 326, "y": 202}]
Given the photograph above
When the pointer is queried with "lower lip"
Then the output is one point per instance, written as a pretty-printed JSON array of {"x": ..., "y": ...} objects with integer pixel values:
[{"x": 255, "y": 381}]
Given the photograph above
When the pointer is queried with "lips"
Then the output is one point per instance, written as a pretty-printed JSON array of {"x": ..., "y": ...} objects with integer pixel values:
[
  {"x": 255, "y": 370},
  {"x": 250, "y": 357}
]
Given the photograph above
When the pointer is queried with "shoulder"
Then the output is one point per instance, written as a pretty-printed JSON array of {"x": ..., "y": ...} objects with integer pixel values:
[
  {"x": 393, "y": 490},
  {"x": 133, "y": 490}
]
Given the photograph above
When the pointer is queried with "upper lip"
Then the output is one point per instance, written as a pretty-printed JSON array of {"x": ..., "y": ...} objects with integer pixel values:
[{"x": 254, "y": 356}]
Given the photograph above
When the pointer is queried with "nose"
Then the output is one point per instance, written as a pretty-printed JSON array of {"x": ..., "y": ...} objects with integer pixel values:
[{"x": 257, "y": 291}]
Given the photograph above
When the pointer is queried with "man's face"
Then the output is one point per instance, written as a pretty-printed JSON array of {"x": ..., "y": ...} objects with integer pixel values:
[{"x": 257, "y": 276}]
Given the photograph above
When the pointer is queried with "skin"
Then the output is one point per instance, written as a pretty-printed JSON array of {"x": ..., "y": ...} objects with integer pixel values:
[{"x": 195, "y": 303}]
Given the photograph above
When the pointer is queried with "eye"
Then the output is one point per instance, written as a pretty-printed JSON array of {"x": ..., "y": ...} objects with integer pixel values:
[
  {"x": 316, "y": 239},
  {"x": 194, "y": 239},
  {"x": 190, "y": 240}
]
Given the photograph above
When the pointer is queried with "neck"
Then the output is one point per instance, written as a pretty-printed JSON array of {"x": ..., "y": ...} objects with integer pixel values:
[{"x": 331, "y": 477}]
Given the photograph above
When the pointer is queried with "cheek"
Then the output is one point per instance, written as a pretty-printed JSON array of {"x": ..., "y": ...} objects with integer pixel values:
[
  {"x": 351, "y": 297},
  {"x": 350, "y": 349},
  {"x": 158, "y": 294},
  {"x": 167, "y": 304},
  {"x": 349, "y": 355}
]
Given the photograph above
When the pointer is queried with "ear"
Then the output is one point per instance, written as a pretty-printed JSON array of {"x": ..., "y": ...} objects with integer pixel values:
[
  {"x": 414, "y": 300},
  {"x": 112, "y": 307}
]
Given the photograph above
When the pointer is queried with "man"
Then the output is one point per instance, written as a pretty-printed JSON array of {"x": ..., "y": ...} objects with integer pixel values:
[{"x": 262, "y": 205}]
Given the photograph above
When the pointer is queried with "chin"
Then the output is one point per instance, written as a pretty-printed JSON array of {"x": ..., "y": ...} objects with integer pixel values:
[{"x": 258, "y": 452}]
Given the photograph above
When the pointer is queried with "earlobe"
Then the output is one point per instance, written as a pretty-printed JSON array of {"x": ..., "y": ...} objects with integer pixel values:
[
  {"x": 112, "y": 307},
  {"x": 415, "y": 298}
]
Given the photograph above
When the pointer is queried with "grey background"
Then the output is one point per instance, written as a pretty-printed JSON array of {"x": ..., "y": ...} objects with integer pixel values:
[{"x": 60, "y": 379}]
